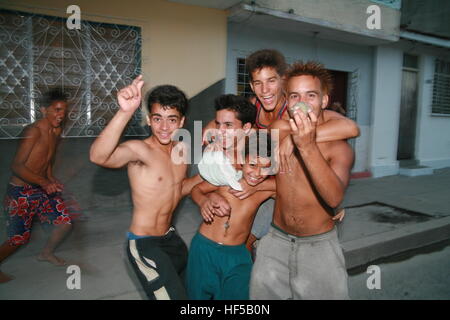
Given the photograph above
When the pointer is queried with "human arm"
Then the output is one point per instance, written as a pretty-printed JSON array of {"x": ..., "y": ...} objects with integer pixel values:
[
  {"x": 248, "y": 190},
  {"x": 19, "y": 167},
  {"x": 51, "y": 178},
  {"x": 105, "y": 151},
  {"x": 50, "y": 175},
  {"x": 210, "y": 203},
  {"x": 330, "y": 178},
  {"x": 336, "y": 127},
  {"x": 189, "y": 183}
]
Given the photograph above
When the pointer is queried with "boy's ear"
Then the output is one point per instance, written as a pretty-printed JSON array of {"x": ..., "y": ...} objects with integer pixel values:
[
  {"x": 325, "y": 100},
  {"x": 148, "y": 120},
  {"x": 247, "y": 127},
  {"x": 182, "y": 121},
  {"x": 43, "y": 111}
]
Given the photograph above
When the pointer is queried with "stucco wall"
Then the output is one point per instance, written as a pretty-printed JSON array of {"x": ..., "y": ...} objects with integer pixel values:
[{"x": 182, "y": 45}]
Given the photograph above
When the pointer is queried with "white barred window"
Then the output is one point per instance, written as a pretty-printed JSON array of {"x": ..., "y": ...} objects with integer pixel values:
[
  {"x": 441, "y": 88},
  {"x": 39, "y": 53},
  {"x": 243, "y": 81}
]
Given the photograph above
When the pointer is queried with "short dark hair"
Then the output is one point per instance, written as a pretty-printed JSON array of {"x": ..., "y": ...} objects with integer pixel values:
[
  {"x": 266, "y": 58},
  {"x": 255, "y": 146},
  {"x": 52, "y": 95},
  {"x": 245, "y": 111},
  {"x": 168, "y": 96},
  {"x": 315, "y": 69}
]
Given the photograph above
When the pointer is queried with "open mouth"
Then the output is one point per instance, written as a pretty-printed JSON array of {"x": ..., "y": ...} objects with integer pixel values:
[
  {"x": 58, "y": 121},
  {"x": 253, "y": 180},
  {"x": 268, "y": 99},
  {"x": 164, "y": 135}
]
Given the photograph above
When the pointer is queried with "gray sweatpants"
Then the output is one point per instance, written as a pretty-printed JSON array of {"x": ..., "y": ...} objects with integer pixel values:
[{"x": 291, "y": 267}]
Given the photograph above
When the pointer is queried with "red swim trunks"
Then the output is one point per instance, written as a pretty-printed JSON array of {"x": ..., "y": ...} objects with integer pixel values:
[{"x": 23, "y": 202}]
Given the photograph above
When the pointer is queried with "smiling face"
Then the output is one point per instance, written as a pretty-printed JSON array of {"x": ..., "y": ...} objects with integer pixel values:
[
  {"x": 229, "y": 127},
  {"x": 164, "y": 122},
  {"x": 306, "y": 88},
  {"x": 256, "y": 169},
  {"x": 267, "y": 84},
  {"x": 55, "y": 113}
]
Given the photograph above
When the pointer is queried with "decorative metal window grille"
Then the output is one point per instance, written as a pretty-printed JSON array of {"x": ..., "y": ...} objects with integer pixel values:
[
  {"x": 38, "y": 53},
  {"x": 243, "y": 81},
  {"x": 441, "y": 88}
]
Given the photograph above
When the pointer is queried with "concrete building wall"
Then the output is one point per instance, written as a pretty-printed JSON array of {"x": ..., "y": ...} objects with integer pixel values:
[
  {"x": 181, "y": 45},
  {"x": 335, "y": 55},
  {"x": 433, "y": 131},
  {"x": 387, "y": 79},
  {"x": 347, "y": 15}
]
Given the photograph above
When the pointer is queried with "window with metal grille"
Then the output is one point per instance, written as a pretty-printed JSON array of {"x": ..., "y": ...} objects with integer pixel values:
[
  {"x": 441, "y": 88},
  {"x": 243, "y": 81},
  {"x": 39, "y": 52}
]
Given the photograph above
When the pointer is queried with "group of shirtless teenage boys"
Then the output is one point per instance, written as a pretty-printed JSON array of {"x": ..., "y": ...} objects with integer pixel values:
[{"x": 297, "y": 257}]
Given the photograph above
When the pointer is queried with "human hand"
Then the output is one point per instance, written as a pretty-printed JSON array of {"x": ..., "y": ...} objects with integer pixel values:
[
  {"x": 286, "y": 150},
  {"x": 303, "y": 129},
  {"x": 214, "y": 205},
  {"x": 247, "y": 190},
  {"x": 51, "y": 187},
  {"x": 340, "y": 215},
  {"x": 129, "y": 98}
]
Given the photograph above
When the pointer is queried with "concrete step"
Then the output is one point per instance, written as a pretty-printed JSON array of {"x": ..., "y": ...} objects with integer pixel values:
[
  {"x": 362, "y": 251},
  {"x": 415, "y": 170},
  {"x": 378, "y": 230}
]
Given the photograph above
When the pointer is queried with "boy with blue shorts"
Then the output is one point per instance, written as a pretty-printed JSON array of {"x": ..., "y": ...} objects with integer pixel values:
[{"x": 219, "y": 264}]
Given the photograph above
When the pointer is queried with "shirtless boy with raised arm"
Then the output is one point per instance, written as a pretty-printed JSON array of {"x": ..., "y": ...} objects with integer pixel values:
[
  {"x": 156, "y": 252},
  {"x": 33, "y": 188},
  {"x": 300, "y": 257}
]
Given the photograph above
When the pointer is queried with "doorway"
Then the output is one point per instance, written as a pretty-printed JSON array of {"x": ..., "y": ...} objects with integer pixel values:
[
  {"x": 338, "y": 97},
  {"x": 408, "y": 109}
]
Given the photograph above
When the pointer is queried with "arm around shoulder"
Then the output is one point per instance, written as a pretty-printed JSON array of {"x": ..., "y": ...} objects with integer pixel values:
[
  {"x": 336, "y": 127},
  {"x": 190, "y": 183}
]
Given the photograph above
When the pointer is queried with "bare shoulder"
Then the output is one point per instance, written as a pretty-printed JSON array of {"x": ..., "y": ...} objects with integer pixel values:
[
  {"x": 31, "y": 131},
  {"x": 330, "y": 114},
  {"x": 280, "y": 124},
  {"x": 340, "y": 149},
  {"x": 264, "y": 195}
]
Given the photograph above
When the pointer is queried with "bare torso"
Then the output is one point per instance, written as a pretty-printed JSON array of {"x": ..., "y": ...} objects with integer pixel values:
[
  {"x": 240, "y": 221},
  {"x": 37, "y": 151},
  {"x": 155, "y": 188},
  {"x": 298, "y": 208}
]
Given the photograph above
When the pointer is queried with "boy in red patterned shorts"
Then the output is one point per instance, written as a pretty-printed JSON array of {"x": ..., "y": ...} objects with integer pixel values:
[{"x": 32, "y": 188}]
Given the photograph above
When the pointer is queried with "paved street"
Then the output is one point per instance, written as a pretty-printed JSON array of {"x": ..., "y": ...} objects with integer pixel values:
[{"x": 425, "y": 275}]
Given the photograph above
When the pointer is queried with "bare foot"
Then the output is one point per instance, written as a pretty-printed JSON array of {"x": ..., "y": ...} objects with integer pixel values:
[
  {"x": 5, "y": 278},
  {"x": 52, "y": 259}
]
